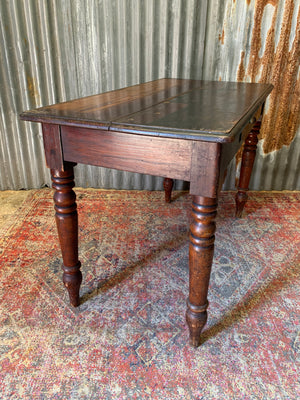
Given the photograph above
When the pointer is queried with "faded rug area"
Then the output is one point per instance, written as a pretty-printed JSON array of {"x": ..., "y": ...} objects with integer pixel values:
[{"x": 128, "y": 339}]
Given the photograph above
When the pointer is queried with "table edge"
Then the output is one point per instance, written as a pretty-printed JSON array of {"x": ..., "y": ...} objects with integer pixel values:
[{"x": 175, "y": 133}]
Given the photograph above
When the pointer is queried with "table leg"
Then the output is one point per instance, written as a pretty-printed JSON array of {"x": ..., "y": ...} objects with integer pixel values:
[
  {"x": 67, "y": 226},
  {"x": 204, "y": 211},
  {"x": 248, "y": 158},
  {"x": 168, "y": 186}
]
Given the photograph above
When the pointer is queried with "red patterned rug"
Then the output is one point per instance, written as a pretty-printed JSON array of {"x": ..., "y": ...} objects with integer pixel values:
[{"x": 128, "y": 338}]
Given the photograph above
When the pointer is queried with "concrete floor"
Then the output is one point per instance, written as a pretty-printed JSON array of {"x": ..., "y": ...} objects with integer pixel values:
[{"x": 10, "y": 201}]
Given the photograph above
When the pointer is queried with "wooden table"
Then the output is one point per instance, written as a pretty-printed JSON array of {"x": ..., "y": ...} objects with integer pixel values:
[{"x": 174, "y": 128}]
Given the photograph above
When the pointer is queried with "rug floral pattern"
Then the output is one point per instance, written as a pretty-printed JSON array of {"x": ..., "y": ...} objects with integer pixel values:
[{"x": 128, "y": 338}]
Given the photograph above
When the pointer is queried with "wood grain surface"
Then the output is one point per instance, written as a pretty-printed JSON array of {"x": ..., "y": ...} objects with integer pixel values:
[{"x": 180, "y": 108}]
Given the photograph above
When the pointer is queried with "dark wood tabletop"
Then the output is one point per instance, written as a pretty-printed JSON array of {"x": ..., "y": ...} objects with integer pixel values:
[{"x": 181, "y": 108}]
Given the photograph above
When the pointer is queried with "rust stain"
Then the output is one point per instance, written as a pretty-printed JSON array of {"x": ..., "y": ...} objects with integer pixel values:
[
  {"x": 241, "y": 69},
  {"x": 280, "y": 67},
  {"x": 221, "y": 37},
  {"x": 32, "y": 88},
  {"x": 236, "y": 182}
]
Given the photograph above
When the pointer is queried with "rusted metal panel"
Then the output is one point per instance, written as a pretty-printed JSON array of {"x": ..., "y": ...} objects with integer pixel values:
[
  {"x": 58, "y": 50},
  {"x": 261, "y": 41},
  {"x": 277, "y": 62}
]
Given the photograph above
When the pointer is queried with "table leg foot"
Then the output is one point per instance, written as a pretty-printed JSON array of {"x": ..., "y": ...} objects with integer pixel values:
[
  {"x": 67, "y": 227},
  {"x": 72, "y": 278},
  {"x": 196, "y": 318},
  {"x": 248, "y": 158},
  {"x": 240, "y": 201},
  {"x": 201, "y": 251},
  {"x": 168, "y": 186}
]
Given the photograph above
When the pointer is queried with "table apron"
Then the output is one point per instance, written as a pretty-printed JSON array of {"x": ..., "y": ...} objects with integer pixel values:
[{"x": 128, "y": 152}]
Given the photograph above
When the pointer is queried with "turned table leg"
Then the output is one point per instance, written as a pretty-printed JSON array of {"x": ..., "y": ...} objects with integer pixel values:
[
  {"x": 204, "y": 211},
  {"x": 67, "y": 226},
  {"x": 248, "y": 158},
  {"x": 168, "y": 186}
]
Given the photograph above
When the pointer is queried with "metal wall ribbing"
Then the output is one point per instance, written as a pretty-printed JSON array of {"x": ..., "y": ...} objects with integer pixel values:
[{"x": 56, "y": 50}]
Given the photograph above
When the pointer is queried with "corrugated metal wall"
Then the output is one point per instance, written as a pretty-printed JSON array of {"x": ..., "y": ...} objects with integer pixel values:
[{"x": 56, "y": 50}]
